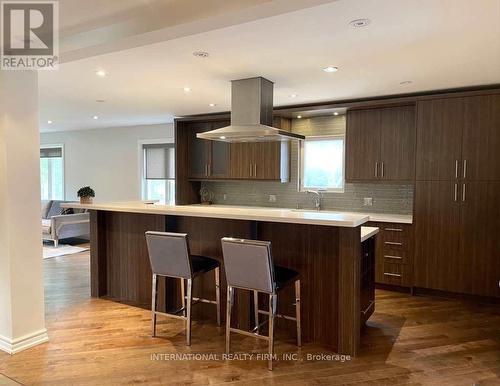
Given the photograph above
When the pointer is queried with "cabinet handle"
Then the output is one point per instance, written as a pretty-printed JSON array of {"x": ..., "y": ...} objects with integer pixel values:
[
  {"x": 394, "y": 229},
  {"x": 382, "y": 166},
  {"x": 456, "y": 169},
  {"x": 393, "y": 257},
  {"x": 206, "y": 170},
  {"x": 463, "y": 193},
  {"x": 368, "y": 307},
  {"x": 255, "y": 170},
  {"x": 376, "y": 169},
  {"x": 392, "y": 274},
  {"x": 465, "y": 168},
  {"x": 209, "y": 169},
  {"x": 393, "y": 243},
  {"x": 250, "y": 170},
  {"x": 456, "y": 193}
]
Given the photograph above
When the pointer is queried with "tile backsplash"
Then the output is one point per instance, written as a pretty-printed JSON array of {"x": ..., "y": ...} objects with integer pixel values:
[{"x": 387, "y": 198}]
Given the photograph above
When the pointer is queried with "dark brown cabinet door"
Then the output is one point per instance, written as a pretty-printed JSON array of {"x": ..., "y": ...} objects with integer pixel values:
[
  {"x": 437, "y": 264},
  {"x": 241, "y": 160},
  {"x": 481, "y": 138},
  {"x": 266, "y": 161},
  {"x": 439, "y": 138},
  {"x": 362, "y": 145},
  {"x": 397, "y": 143},
  {"x": 219, "y": 165},
  {"x": 479, "y": 242},
  {"x": 199, "y": 152}
]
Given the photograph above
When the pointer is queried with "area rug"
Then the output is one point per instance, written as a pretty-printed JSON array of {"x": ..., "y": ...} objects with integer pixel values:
[{"x": 50, "y": 251}]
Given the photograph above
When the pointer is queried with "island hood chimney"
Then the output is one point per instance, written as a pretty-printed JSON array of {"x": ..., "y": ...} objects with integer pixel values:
[{"x": 251, "y": 115}]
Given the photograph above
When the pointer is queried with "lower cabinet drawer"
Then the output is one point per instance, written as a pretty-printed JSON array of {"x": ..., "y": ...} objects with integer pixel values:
[
  {"x": 395, "y": 256},
  {"x": 397, "y": 274}
]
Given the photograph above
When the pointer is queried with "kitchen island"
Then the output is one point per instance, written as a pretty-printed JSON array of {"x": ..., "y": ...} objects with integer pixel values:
[{"x": 325, "y": 248}]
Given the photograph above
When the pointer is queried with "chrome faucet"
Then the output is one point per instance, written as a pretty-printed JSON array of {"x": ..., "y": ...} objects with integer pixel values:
[{"x": 318, "y": 200}]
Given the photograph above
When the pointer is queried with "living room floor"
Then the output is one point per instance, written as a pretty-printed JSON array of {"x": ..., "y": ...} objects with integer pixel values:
[{"x": 408, "y": 341}]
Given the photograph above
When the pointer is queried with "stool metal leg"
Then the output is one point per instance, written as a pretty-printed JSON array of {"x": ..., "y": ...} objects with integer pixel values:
[
  {"x": 229, "y": 308},
  {"x": 256, "y": 309},
  {"x": 297, "y": 312},
  {"x": 217, "y": 293},
  {"x": 272, "y": 312},
  {"x": 153, "y": 305},
  {"x": 188, "y": 313},
  {"x": 183, "y": 297}
]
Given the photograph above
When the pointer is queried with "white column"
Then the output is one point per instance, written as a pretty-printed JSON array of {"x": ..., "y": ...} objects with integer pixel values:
[{"x": 22, "y": 321}]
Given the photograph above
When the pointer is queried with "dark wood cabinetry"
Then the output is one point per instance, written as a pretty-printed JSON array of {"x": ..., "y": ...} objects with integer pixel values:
[
  {"x": 394, "y": 254},
  {"x": 262, "y": 160},
  {"x": 456, "y": 208},
  {"x": 380, "y": 144},
  {"x": 208, "y": 159}
]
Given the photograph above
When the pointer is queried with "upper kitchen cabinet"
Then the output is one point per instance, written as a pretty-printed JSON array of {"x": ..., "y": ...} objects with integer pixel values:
[
  {"x": 207, "y": 159},
  {"x": 380, "y": 144},
  {"x": 481, "y": 138},
  {"x": 262, "y": 160},
  {"x": 459, "y": 138},
  {"x": 439, "y": 138}
]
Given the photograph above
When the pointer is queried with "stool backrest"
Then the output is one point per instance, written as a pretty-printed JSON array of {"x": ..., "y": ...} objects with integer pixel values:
[
  {"x": 248, "y": 264},
  {"x": 169, "y": 254}
]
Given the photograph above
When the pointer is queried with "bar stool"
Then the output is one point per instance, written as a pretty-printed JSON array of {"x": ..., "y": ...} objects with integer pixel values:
[
  {"x": 169, "y": 257},
  {"x": 249, "y": 266}
]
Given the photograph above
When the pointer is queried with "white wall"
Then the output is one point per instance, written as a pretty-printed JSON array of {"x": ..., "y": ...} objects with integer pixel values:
[{"x": 105, "y": 159}]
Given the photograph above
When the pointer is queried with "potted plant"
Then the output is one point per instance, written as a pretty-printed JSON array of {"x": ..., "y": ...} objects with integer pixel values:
[{"x": 86, "y": 193}]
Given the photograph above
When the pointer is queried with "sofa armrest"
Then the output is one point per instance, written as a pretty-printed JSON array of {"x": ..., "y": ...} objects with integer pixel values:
[{"x": 70, "y": 225}]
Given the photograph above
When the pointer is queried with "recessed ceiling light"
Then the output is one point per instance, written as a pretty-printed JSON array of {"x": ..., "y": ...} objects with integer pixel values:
[
  {"x": 336, "y": 113},
  {"x": 330, "y": 69},
  {"x": 293, "y": 95},
  {"x": 96, "y": 117},
  {"x": 212, "y": 104},
  {"x": 406, "y": 82},
  {"x": 222, "y": 137},
  {"x": 299, "y": 116},
  {"x": 49, "y": 122},
  {"x": 201, "y": 54},
  {"x": 101, "y": 73},
  {"x": 359, "y": 23},
  {"x": 187, "y": 89}
]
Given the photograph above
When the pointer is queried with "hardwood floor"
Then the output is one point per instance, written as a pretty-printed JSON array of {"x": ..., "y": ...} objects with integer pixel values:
[{"x": 408, "y": 341}]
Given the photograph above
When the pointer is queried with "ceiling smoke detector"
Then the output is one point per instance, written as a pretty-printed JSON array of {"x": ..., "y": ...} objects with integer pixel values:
[
  {"x": 359, "y": 23},
  {"x": 201, "y": 54}
]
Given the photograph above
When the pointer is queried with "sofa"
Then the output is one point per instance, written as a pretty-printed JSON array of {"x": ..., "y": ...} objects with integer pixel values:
[{"x": 59, "y": 223}]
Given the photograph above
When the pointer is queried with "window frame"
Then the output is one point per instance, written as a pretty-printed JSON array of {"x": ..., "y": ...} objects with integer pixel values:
[
  {"x": 141, "y": 162},
  {"x": 300, "y": 179},
  {"x": 63, "y": 156}
]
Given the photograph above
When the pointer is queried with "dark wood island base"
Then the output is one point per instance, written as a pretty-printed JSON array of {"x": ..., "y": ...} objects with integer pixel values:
[{"x": 327, "y": 257}]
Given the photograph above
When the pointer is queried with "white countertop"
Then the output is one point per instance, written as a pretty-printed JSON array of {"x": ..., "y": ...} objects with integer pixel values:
[
  {"x": 340, "y": 219},
  {"x": 367, "y": 232}
]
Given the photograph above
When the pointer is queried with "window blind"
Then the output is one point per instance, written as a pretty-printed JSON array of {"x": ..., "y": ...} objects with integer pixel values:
[
  {"x": 53, "y": 152},
  {"x": 159, "y": 162}
]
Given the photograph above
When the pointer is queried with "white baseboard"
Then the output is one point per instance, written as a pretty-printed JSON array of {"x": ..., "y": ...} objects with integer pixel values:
[{"x": 13, "y": 346}]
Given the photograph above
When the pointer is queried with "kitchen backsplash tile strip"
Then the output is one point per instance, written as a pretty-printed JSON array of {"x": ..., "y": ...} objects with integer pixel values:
[{"x": 387, "y": 198}]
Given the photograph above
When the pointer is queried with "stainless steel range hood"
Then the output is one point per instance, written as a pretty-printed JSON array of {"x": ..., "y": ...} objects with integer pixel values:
[{"x": 251, "y": 115}]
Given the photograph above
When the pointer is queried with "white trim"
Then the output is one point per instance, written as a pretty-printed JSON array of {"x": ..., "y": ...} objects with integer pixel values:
[
  {"x": 300, "y": 164},
  {"x": 61, "y": 146},
  {"x": 141, "y": 160},
  {"x": 13, "y": 346}
]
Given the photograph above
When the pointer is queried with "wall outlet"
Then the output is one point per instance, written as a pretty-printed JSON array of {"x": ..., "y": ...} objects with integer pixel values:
[
  {"x": 367, "y": 201},
  {"x": 272, "y": 198}
]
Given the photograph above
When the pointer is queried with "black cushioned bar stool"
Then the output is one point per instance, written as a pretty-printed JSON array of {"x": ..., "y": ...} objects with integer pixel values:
[
  {"x": 249, "y": 266},
  {"x": 169, "y": 257}
]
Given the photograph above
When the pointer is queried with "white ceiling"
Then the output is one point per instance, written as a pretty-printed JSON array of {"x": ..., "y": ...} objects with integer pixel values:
[{"x": 434, "y": 43}]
